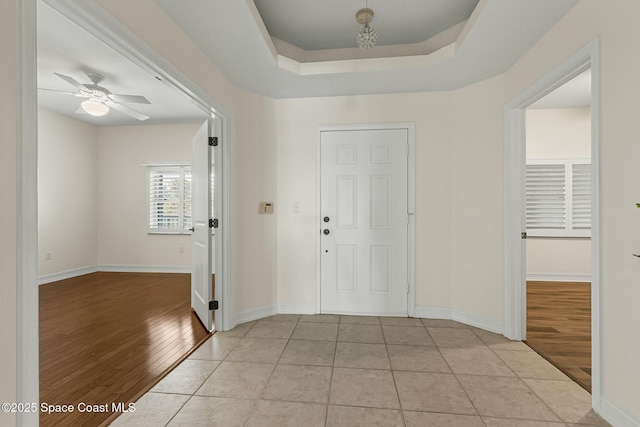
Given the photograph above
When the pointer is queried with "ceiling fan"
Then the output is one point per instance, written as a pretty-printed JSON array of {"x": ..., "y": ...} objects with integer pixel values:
[{"x": 100, "y": 99}]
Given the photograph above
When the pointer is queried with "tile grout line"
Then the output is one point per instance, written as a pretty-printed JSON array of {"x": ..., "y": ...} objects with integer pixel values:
[
  {"x": 333, "y": 370},
  {"x": 206, "y": 379},
  {"x": 393, "y": 376},
  {"x": 520, "y": 379},
  {"x": 272, "y": 371},
  {"x": 456, "y": 376}
]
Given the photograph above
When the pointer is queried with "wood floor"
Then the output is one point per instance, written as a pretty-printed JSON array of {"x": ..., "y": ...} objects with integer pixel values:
[
  {"x": 559, "y": 326},
  {"x": 109, "y": 337}
]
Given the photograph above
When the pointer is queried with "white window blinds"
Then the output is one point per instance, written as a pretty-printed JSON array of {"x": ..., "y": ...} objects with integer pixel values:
[
  {"x": 169, "y": 199},
  {"x": 169, "y": 195},
  {"x": 558, "y": 198},
  {"x": 581, "y": 213}
]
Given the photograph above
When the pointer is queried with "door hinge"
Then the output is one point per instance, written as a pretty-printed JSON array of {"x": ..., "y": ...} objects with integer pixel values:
[
  {"x": 213, "y": 305},
  {"x": 213, "y": 141},
  {"x": 213, "y": 223},
  {"x": 523, "y": 235}
]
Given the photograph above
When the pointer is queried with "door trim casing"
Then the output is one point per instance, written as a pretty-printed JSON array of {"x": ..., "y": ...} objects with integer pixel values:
[
  {"x": 514, "y": 169},
  {"x": 410, "y": 128}
]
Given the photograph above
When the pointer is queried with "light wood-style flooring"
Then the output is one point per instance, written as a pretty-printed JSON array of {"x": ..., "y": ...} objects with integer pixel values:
[
  {"x": 109, "y": 337},
  {"x": 559, "y": 326}
]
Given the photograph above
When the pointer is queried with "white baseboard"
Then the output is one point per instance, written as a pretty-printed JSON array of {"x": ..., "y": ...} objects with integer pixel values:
[
  {"x": 487, "y": 323},
  {"x": 145, "y": 268},
  {"x": 296, "y": 309},
  {"x": 617, "y": 416},
  {"x": 555, "y": 277},
  {"x": 49, "y": 278},
  {"x": 260, "y": 313},
  {"x": 482, "y": 322},
  {"x": 433, "y": 313},
  {"x": 68, "y": 274}
]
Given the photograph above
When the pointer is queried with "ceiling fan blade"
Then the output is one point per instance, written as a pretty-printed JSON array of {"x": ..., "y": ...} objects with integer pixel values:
[
  {"x": 136, "y": 99},
  {"x": 62, "y": 92},
  {"x": 71, "y": 81},
  {"x": 127, "y": 110}
]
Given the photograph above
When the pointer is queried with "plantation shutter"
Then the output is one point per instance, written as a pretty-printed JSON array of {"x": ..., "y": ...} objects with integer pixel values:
[
  {"x": 581, "y": 212},
  {"x": 558, "y": 198},
  {"x": 188, "y": 199},
  {"x": 545, "y": 202},
  {"x": 169, "y": 199}
]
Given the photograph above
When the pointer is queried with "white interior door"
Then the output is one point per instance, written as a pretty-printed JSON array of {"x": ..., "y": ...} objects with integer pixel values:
[
  {"x": 201, "y": 237},
  {"x": 364, "y": 222}
]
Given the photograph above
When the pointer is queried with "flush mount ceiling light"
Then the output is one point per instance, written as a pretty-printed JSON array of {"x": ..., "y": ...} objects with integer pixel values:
[
  {"x": 94, "y": 107},
  {"x": 366, "y": 37}
]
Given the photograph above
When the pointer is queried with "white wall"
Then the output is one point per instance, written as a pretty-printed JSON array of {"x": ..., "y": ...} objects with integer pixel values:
[
  {"x": 298, "y": 121},
  {"x": 123, "y": 240},
  {"x": 67, "y": 199},
  {"x": 8, "y": 207},
  {"x": 253, "y": 283},
  {"x": 615, "y": 24},
  {"x": 254, "y": 236},
  {"x": 558, "y": 133},
  {"x": 477, "y": 259},
  {"x": 93, "y": 197},
  {"x": 562, "y": 133}
]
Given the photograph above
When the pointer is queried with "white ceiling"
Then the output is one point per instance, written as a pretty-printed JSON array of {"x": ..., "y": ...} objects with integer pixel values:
[
  {"x": 234, "y": 36},
  {"x": 65, "y": 48},
  {"x": 331, "y": 24},
  {"x": 576, "y": 93}
]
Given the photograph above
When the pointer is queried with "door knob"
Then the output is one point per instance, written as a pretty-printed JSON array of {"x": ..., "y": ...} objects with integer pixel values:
[
  {"x": 192, "y": 229},
  {"x": 326, "y": 232}
]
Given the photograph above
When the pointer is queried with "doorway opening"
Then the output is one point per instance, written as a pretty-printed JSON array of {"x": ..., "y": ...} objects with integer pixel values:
[
  {"x": 96, "y": 22},
  {"x": 587, "y": 58},
  {"x": 558, "y": 227}
]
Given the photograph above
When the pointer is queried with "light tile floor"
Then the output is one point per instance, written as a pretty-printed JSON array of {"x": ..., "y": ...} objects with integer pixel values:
[{"x": 327, "y": 370}]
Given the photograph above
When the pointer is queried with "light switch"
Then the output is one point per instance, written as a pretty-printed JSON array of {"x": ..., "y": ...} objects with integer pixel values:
[{"x": 266, "y": 207}]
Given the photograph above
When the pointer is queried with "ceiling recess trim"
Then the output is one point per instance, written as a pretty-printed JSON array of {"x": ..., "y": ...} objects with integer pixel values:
[{"x": 437, "y": 49}]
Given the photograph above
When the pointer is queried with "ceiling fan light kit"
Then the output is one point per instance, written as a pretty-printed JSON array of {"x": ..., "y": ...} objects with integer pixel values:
[
  {"x": 95, "y": 108},
  {"x": 99, "y": 99}
]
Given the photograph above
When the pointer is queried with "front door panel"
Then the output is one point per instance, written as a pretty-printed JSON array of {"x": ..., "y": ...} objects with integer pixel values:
[{"x": 364, "y": 243}]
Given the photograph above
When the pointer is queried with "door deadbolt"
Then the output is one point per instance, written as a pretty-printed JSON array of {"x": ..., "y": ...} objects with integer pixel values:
[
  {"x": 326, "y": 219},
  {"x": 326, "y": 232}
]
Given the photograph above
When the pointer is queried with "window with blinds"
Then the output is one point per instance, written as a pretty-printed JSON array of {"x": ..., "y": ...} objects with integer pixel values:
[
  {"x": 169, "y": 195},
  {"x": 170, "y": 202},
  {"x": 558, "y": 198}
]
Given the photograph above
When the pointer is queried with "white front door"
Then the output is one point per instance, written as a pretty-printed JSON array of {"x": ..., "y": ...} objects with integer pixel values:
[
  {"x": 201, "y": 237},
  {"x": 364, "y": 221}
]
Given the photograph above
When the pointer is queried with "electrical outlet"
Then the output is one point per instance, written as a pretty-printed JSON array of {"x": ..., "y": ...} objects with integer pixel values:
[
  {"x": 181, "y": 250},
  {"x": 47, "y": 256},
  {"x": 296, "y": 207}
]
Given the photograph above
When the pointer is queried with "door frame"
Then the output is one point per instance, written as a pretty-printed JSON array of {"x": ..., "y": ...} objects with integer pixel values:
[
  {"x": 515, "y": 305},
  {"x": 410, "y": 128},
  {"x": 96, "y": 21}
]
